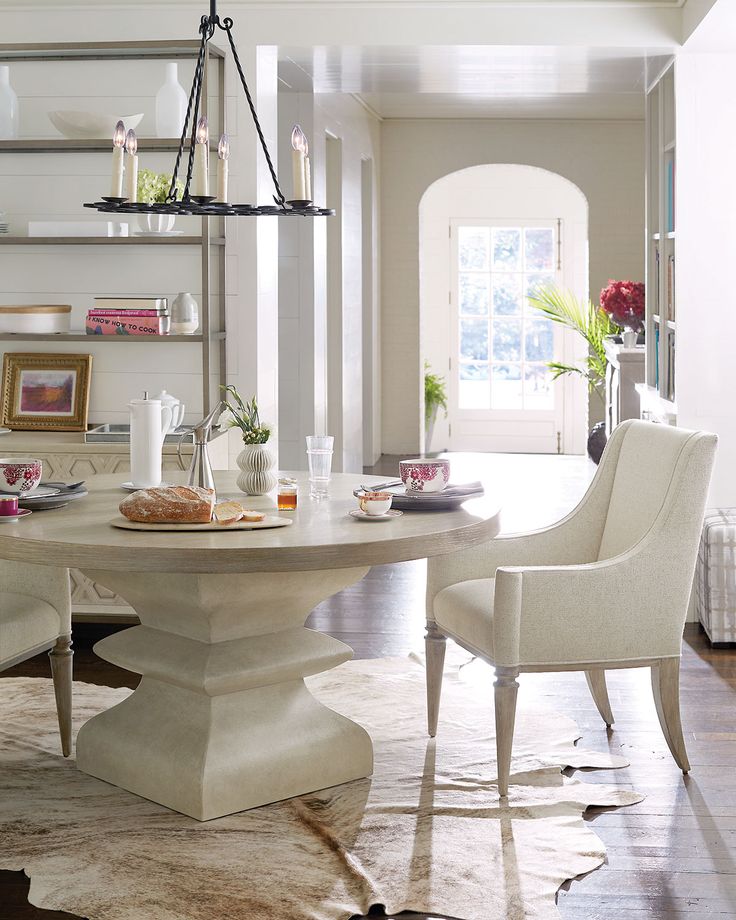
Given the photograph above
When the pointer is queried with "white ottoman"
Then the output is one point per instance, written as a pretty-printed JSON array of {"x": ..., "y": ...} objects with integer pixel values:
[{"x": 715, "y": 576}]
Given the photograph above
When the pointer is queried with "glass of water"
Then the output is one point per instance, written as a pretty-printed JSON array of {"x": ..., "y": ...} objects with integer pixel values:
[{"x": 319, "y": 455}]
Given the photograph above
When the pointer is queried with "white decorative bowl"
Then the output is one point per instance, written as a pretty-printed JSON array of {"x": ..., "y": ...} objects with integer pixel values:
[
  {"x": 19, "y": 474},
  {"x": 76, "y": 125},
  {"x": 35, "y": 318}
]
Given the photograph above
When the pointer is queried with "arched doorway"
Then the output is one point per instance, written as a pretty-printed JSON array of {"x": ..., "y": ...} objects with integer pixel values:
[{"x": 487, "y": 235}]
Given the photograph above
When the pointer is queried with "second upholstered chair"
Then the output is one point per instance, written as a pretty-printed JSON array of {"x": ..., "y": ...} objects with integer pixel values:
[
  {"x": 35, "y": 615},
  {"x": 606, "y": 587}
]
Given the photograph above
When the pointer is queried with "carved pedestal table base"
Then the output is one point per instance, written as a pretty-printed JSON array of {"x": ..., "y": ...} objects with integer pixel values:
[{"x": 222, "y": 720}]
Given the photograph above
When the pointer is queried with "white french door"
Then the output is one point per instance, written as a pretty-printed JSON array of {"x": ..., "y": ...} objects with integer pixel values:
[{"x": 502, "y": 396}]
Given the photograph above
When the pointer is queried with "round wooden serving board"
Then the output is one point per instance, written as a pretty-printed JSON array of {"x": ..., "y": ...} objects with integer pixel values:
[{"x": 269, "y": 521}]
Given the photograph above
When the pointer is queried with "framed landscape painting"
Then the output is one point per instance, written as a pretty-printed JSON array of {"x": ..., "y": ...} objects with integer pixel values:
[{"x": 46, "y": 392}]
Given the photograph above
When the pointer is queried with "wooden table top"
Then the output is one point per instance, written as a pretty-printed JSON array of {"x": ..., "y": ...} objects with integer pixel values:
[{"x": 322, "y": 536}]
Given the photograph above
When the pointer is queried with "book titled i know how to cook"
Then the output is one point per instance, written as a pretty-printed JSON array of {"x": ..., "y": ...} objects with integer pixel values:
[{"x": 128, "y": 316}]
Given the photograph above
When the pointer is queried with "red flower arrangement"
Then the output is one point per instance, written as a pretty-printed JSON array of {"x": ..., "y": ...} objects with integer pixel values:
[{"x": 623, "y": 301}]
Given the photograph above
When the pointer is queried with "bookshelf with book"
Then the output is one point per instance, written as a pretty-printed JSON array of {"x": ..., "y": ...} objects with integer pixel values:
[{"x": 658, "y": 393}]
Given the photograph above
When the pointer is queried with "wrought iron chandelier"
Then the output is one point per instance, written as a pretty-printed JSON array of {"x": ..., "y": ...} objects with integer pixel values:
[{"x": 196, "y": 128}]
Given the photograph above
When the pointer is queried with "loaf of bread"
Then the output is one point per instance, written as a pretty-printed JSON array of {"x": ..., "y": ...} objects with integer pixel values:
[{"x": 172, "y": 505}]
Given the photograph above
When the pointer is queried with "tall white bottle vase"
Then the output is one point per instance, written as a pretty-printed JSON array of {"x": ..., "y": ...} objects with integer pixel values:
[
  {"x": 171, "y": 105},
  {"x": 9, "y": 111},
  {"x": 149, "y": 422}
]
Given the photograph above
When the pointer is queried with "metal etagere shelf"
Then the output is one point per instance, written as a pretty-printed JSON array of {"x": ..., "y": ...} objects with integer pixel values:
[{"x": 210, "y": 338}]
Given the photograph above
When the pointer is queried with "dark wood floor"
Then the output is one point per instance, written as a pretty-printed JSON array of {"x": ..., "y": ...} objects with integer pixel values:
[{"x": 673, "y": 855}]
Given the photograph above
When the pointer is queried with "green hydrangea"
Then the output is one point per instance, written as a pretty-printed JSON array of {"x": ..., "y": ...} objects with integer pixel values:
[{"x": 153, "y": 188}]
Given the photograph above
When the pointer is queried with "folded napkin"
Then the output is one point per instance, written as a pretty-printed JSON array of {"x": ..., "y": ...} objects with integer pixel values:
[{"x": 451, "y": 489}]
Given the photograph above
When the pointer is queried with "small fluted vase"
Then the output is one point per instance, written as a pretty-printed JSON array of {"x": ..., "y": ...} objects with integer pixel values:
[{"x": 256, "y": 462}]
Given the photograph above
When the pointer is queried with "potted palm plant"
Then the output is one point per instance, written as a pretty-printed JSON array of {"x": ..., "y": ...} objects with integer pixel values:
[
  {"x": 594, "y": 325},
  {"x": 435, "y": 398}
]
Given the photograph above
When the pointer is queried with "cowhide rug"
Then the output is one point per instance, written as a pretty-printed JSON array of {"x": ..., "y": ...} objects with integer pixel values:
[{"x": 426, "y": 833}]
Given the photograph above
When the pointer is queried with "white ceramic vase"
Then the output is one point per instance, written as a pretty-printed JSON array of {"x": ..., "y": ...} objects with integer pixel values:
[
  {"x": 629, "y": 337},
  {"x": 9, "y": 112},
  {"x": 256, "y": 462},
  {"x": 171, "y": 104},
  {"x": 184, "y": 315},
  {"x": 156, "y": 223}
]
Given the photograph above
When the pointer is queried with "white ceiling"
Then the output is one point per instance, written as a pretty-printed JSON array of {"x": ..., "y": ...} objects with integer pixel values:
[{"x": 479, "y": 81}]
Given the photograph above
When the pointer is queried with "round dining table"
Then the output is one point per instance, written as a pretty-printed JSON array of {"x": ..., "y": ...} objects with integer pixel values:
[{"x": 222, "y": 720}]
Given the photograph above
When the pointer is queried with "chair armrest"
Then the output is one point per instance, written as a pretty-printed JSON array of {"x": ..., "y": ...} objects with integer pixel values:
[
  {"x": 540, "y": 547},
  {"x": 48, "y": 583},
  {"x": 612, "y": 610}
]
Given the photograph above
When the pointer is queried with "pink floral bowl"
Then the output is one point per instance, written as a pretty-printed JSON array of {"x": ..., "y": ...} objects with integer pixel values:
[
  {"x": 19, "y": 474},
  {"x": 424, "y": 475}
]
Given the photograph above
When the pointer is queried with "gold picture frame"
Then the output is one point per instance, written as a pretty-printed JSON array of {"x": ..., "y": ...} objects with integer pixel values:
[{"x": 45, "y": 392}]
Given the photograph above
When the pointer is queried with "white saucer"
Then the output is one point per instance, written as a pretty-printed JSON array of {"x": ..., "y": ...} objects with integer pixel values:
[
  {"x": 11, "y": 518},
  {"x": 129, "y": 487},
  {"x": 389, "y": 515}
]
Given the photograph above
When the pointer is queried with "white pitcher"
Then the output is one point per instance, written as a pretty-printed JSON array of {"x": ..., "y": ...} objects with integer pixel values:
[
  {"x": 177, "y": 408},
  {"x": 149, "y": 422}
]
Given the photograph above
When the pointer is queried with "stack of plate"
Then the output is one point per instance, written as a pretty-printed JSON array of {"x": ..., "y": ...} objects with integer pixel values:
[
  {"x": 4, "y": 225},
  {"x": 451, "y": 497},
  {"x": 46, "y": 498}
]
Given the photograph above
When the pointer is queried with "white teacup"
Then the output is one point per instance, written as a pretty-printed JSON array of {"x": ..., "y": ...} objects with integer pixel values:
[{"x": 375, "y": 503}]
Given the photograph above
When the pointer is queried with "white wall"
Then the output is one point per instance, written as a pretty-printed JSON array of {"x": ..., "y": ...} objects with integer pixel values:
[
  {"x": 605, "y": 160},
  {"x": 502, "y": 192},
  {"x": 706, "y": 200},
  {"x": 303, "y": 300}
]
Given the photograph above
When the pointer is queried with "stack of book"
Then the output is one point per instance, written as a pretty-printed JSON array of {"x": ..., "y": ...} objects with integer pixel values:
[{"x": 128, "y": 316}]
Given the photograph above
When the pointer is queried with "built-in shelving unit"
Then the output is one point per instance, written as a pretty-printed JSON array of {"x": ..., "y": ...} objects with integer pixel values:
[
  {"x": 657, "y": 394},
  {"x": 210, "y": 241}
]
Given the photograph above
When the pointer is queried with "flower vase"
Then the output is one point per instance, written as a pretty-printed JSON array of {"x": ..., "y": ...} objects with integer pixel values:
[
  {"x": 156, "y": 223},
  {"x": 629, "y": 337},
  {"x": 256, "y": 462},
  {"x": 171, "y": 104}
]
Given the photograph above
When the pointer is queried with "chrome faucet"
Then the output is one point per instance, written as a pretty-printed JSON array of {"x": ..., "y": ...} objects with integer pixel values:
[{"x": 200, "y": 469}]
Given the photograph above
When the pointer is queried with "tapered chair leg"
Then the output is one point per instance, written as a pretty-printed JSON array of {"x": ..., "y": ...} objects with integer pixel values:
[
  {"x": 599, "y": 691},
  {"x": 506, "y": 688},
  {"x": 435, "y": 644},
  {"x": 666, "y": 689},
  {"x": 61, "y": 671}
]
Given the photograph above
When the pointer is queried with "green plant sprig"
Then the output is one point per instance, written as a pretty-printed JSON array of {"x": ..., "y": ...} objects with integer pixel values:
[
  {"x": 435, "y": 393},
  {"x": 245, "y": 416}
]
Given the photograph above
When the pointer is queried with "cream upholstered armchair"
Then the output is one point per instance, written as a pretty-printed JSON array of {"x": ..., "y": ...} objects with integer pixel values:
[
  {"x": 35, "y": 615},
  {"x": 606, "y": 587}
]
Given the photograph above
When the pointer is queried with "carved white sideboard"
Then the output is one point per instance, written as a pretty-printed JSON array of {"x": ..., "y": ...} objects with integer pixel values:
[{"x": 67, "y": 458}]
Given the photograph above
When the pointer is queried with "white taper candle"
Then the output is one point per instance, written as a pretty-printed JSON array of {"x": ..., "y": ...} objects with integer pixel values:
[
  {"x": 201, "y": 177},
  {"x": 131, "y": 166},
  {"x": 223, "y": 152},
  {"x": 298, "y": 156},
  {"x": 118, "y": 142}
]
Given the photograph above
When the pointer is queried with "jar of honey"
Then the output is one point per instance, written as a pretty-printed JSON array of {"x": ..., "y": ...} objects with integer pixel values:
[{"x": 286, "y": 497}]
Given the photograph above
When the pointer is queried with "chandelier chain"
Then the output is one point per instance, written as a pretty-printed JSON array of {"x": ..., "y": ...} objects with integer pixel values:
[
  {"x": 172, "y": 196},
  {"x": 226, "y": 26}
]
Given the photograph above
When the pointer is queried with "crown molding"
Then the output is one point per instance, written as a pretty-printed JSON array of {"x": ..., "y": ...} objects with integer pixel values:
[{"x": 271, "y": 5}]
